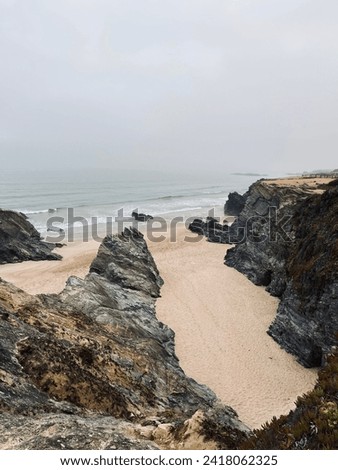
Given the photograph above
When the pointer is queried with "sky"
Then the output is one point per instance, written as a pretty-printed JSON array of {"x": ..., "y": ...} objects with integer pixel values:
[{"x": 193, "y": 85}]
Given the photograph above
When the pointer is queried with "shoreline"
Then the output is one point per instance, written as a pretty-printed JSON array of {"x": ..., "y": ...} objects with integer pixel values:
[{"x": 219, "y": 318}]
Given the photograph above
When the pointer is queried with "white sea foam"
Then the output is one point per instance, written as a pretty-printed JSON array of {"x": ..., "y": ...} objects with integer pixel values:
[
  {"x": 30, "y": 212},
  {"x": 102, "y": 194}
]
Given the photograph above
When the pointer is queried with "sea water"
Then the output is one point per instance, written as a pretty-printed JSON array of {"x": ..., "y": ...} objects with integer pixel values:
[{"x": 97, "y": 194}]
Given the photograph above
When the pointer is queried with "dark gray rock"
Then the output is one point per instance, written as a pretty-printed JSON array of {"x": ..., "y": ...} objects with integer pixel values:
[
  {"x": 307, "y": 318},
  {"x": 125, "y": 259},
  {"x": 235, "y": 204},
  {"x": 141, "y": 217},
  {"x": 197, "y": 226},
  {"x": 263, "y": 233},
  {"x": 212, "y": 229},
  {"x": 20, "y": 241}
]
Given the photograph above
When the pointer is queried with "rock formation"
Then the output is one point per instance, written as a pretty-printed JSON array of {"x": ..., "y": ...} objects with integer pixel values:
[
  {"x": 141, "y": 217},
  {"x": 20, "y": 241},
  {"x": 307, "y": 318},
  {"x": 235, "y": 204},
  {"x": 92, "y": 367},
  {"x": 290, "y": 246},
  {"x": 262, "y": 234},
  {"x": 212, "y": 229}
]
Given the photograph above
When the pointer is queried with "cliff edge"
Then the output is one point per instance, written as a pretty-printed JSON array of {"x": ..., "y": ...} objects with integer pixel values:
[{"x": 290, "y": 246}]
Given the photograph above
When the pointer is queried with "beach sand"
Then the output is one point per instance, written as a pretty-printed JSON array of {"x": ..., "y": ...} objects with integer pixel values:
[{"x": 219, "y": 318}]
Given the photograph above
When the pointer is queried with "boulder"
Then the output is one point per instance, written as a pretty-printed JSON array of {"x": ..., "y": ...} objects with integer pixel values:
[
  {"x": 20, "y": 241},
  {"x": 141, "y": 217}
]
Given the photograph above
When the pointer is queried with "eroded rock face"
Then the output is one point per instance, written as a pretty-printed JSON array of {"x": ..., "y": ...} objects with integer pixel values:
[
  {"x": 71, "y": 432},
  {"x": 307, "y": 318},
  {"x": 235, "y": 204},
  {"x": 125, "y": 260},
  {"x": 295, "y": 256},
  {"x": 262, "y": 234},
  {"x": 97, "y": 352},
  {"x": 20, "y": 241}
]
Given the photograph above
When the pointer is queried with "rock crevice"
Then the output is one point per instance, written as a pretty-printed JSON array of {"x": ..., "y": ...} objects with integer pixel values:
[{"x": 97, "y": 353}]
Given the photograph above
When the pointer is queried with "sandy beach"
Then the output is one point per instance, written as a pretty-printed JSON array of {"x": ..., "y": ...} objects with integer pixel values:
[{"x": 219, "y": 317}]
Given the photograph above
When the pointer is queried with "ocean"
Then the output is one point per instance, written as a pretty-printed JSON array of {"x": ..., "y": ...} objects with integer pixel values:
[{"x": 95, "y": 193}]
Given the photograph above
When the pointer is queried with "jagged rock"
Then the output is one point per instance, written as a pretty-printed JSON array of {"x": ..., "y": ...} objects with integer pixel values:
[
  {"x": 141, "y": 217},
  {"x": 293, "y": 253},
  {"x": 126, "y": 260},
  {"x": 20, "y": 241},
  {"x": 306, "y": 323},
  {"x": 262, "y": 234},
  {"x": 97, "y": 352},
  {"x": 212, "y": 229},
  {"x": 235, "y": 204},
  {"x": 197, "y": 226}
]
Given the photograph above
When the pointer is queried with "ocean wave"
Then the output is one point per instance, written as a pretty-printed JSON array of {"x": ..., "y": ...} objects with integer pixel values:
[
  {"x": 41, "y": 211},
  {"x": 183, "y": 209},
  {"x": 202, "y": 193}
]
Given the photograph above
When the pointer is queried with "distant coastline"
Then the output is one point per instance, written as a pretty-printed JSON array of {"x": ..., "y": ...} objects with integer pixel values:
[{"x": 251, "y": 174}]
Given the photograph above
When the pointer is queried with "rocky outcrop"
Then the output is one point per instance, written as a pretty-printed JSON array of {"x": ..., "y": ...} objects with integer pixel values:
[
  {"x": 235, "y": 204},
  {"x": 20, "y": 241},
  {"x": 289, "y": 245},
  {"x": 211, "y": 229},
  {"x": 92, "y": 367},
  {"x": 141, "y": 217},
  {"x": 307, "y": 318},
  {"x": 71, "y": 432},
  {"x": 262, "y": 234},
  {"x": 126, "y": 260}
]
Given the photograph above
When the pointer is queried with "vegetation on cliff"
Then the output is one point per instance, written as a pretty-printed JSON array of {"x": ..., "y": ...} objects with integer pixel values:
[{"x": 312, "y": 425}]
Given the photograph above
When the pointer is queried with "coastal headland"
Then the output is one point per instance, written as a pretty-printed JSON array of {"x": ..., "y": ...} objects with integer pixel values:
[{"x": 220, "y": 318}]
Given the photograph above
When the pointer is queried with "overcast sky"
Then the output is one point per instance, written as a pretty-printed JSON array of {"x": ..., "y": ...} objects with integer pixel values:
[{"x": 237, "y": 85}]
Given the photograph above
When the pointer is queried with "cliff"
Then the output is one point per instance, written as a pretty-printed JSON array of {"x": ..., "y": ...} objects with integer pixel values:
[
  {"x": 307, "y": 318},
  {"x": 94, "y": 368},
  {"x": 263, "y": 233},
  {"x": 20, "y": 241},
  {"x": 290, "y": 246}
]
